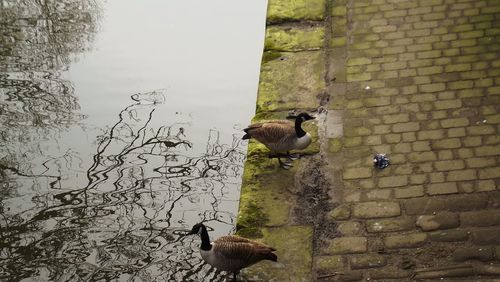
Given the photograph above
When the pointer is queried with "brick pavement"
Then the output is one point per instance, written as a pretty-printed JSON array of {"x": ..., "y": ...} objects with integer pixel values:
[{"x": 418, "y": 80}]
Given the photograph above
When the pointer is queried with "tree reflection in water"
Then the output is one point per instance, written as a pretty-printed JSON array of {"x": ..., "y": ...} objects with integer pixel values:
[
  {"x": 125, "y": 218},
  {"x": 125, "y": 223}
]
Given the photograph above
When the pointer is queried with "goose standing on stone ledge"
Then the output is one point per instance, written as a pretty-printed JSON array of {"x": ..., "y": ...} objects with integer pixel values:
[
  {"x": 281, "y": 136},
  {"x": 231, "y": 253}
]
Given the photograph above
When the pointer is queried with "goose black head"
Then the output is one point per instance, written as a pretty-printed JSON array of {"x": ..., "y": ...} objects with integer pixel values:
[
  {"x": 197, "y": 228},
  {"x": 301, "y": 117}
]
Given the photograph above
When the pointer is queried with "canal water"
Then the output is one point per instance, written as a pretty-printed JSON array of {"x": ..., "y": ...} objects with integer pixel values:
[{"x": 120, "y": 128}]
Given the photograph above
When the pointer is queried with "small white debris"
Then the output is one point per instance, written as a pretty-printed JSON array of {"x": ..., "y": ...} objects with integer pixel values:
[
  {"x": 484, "y": 121},
  {"x": 367, "y": 87}
]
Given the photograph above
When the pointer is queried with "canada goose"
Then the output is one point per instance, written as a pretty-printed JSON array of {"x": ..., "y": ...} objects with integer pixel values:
[
  {"x": 281, "y": 136},
  {"x": 231, "y": 253}
]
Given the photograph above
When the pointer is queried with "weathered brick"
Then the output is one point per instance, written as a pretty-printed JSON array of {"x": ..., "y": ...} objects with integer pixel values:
[
  {"x": 487, "y": 151},
  {"x": 486, "y": 236},
  {"x": 449, "y": 235},
  {"x": 485, "y": 185},
  {"x": 430, "y": 134},
  {"x": 442, "y": 188},
  {"x": 472, "y": 141},
  {"x": 347, "y": 245},
  {"x": 478, "y": 253},
  {"x": 429, "y": 70},
  {"x": 434, "y": 87},
  {"x": 405, "y": 127},
  {"x": 405, "y": 241},
  {"x": 392, "y": 181},
  {"x": 442, "y": 220},
  {"x": 349, "y": 228},
  {"x": 489, "y": 173},
  {"x": 428, "y": 54},
  {"x": 390, "y": 119},
  {"x": 421, "y": 146},
  {"x": 448, "y": 104},
  {"x": 456, "y": 132},
  {"x": 341, "y": 212},
  {"x": 410, "y": 191},
  {"x": 422, "y": 156},
  {"x": 450, "y": 143},
  {"x": 461, "y": 175},
  {"x": 454, "y": 122},
  {"x": 480, "y": 162},
  {"x": 449, "y": 165},
  {"x": 329, "y": 262},
  {"x": 402, "y": 148},
  {"x": 359, "y": 172},
  {"x": 481, "y": 130},
  {"x": 480, "y": 218},
  {"x": 358, "y": 61},
  {"x": 445, "y": 155},
  {"x": 461, "y": 84},
  {"x": 368, "y": 261},
  {"x": 376, "y": 209},
  {"x": 427, "y": 205},
  {"x": 436, "y": 177}
]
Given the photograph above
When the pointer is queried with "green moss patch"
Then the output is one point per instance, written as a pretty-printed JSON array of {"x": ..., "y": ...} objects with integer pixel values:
[
  {"x": 293, "y": 38},
  {"x": 295, "y": 80},
  {"x": 295, "y": 10},
  {"x": 294, "y": 250}
]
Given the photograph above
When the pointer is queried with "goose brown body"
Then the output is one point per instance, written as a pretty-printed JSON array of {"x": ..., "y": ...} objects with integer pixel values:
[
  {"x": 277, "y": 135},
  {"x": 281, "y": 135},
  {"x": 231, "y": 253}
]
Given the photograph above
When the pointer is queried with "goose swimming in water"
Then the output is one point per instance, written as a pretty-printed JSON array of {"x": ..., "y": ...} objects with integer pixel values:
[
  {"x": 281, "y": 136},
  {"x": 231, "y": 253}
]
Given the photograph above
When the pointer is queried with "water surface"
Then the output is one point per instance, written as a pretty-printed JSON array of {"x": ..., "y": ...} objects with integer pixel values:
[{"x": 120, "y": 129}]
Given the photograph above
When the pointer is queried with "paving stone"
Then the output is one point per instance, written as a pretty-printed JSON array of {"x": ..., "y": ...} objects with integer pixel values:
[
  {"x": 283, "y": 10},
  {"x": 461, "y": 175},
  {"x": 347, "y": 245},
  {"x": 427, "y": 205},
  {"x": 451, "y": 143},
  {"x": 486, "y": 236},
  {"x": 367, "y": 261},
  {"x": 279, "y": 81},
  {"x": 341, "y": 212},
  {"x": 409, "y": 192},
  {"x": 293, "y": 39},
  {"x": 349, "y": 228},
  {"x": 449, "y": 235},
  {"x": 405, "y": 241},
  {"x": 393, "y": 181},
  {"x": 489, "y": 173},
  {"x": 442, "y": 188},
  {"x": 390, "y": 225},
  {"x": 376, "y": 209},
  {"x": 441, "y": 273},
  {"x": 389, "y": 273},
  {"x": 470, "y": 253},
  {"x": 442, "y": 220},
  {"x": 480, "y": 218},
  {"x": 329, "y": 263},
  {"x": 449, "y": 165},
  {"x": 355, "y": 173}
]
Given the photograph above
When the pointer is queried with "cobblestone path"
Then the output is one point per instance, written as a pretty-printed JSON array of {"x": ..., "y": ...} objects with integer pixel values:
[{"x": 418, "y": 80}]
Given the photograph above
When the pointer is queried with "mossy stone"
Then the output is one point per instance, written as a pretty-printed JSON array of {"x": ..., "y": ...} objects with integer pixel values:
[
  {"x": 295, "y": 10},
  {"x": 293, "y": 81},
  {"x": 294, "y": 250},
  {"x": 294, "y": 39}
]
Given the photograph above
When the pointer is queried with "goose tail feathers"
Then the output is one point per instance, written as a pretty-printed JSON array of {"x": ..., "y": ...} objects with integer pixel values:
[
  {"x": 246, "y": 136},
  {"x": 272, "y": 256}
]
